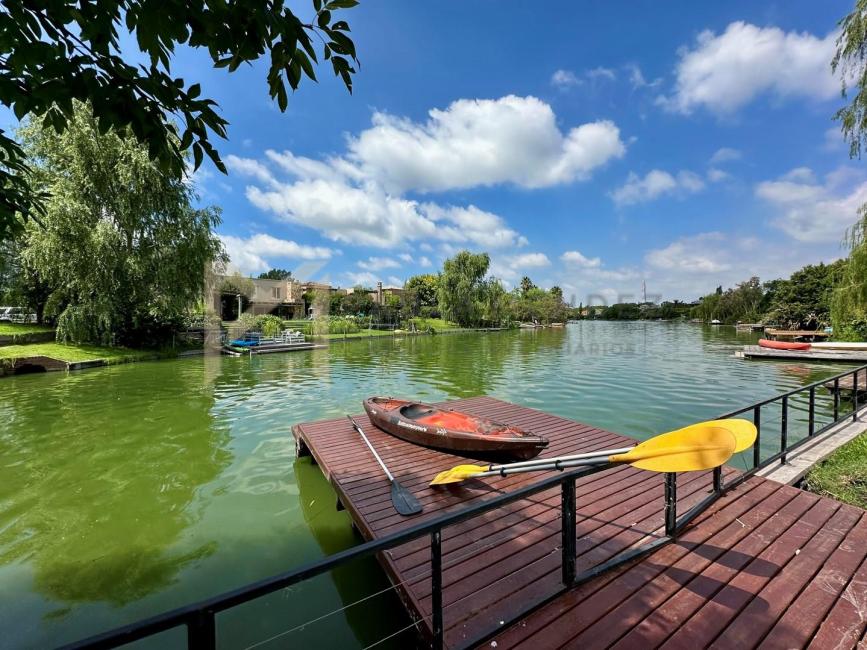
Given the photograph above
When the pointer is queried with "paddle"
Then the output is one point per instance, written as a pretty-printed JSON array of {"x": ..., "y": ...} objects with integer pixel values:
[
  {"x": 403, "y": 500},
  {"x": 694, "y": 448},
  {"x": 743, "y": 431}
]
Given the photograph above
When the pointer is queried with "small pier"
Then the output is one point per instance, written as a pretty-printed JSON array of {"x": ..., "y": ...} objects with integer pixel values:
[
  {"x": 813, "y": 354},
  {"x": 764, "y": 563}
]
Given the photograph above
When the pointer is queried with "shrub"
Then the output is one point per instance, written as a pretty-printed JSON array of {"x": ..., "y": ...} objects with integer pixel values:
[
  {"x": 335, "y": 325},
  {"x": 269, "y": 325},
  {"x": 853, "y": 330}
]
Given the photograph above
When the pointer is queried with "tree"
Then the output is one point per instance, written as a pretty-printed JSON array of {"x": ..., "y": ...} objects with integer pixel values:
[
  {"x": 359, "y": 302},
  {"x": 55, "y": 54},
  {"x": 276, "y": 274},
  {"x": 526, "y": 285},
  {"x": 425, "y": 287},
  {"x": 120, "y": 245},
  {"x": 850, "y": 61},
  {"x": 461, "y": 287}
]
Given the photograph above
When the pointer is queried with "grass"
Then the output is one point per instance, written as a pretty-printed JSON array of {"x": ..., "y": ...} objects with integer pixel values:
[
  {"x": 439, "y": 324},
  {"x": 365, "y": 333},
  {"x": 21, "y": 329},
  {"x": 73, "y": 352},
  {"x": 843, "y": 475}
]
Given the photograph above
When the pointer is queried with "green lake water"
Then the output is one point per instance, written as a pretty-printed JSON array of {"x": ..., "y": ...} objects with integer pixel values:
[{"x": 134, "y": 489}]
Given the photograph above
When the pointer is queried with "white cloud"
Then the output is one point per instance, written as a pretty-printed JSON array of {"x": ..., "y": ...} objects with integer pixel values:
[
  {"x": 358, "y": 197},
  {"x": 424, "y": 261},
  {"x": 724, "y": 72},
  {"x": 510, "y": 267},
  {"x": 378, "y": 263},
  {"x": 637, "y": 80},
  {"x": 833, "y": 139},
  {"x": 258, "y": 253},
  {"x": 724, "y": 154},
  {"x": 406, "y": 257},
  {"x": 363, "y": 278},
  {"x": 715, "y": 175},
  {"x": 810, "y": 211},
  {"x": 575, "y": 258},
  {"x": 601, "y": 73},
  {"x": 656, "y": 183},
  {"x": 704, "y": 253},
  {"x": 481, "y": 143},
  {"x": 564, "y": 79},
  {"x": 530, "y": 261}
]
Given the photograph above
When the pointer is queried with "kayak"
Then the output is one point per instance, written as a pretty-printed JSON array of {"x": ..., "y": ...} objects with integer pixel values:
[
  {"x": 783, "y": 345},
  {"x": 438, "y": 428},
  {"x": 840, "y": 345}
]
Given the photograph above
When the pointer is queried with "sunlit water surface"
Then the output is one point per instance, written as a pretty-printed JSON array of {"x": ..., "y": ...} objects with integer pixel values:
[{"x": 130, "y": 490}]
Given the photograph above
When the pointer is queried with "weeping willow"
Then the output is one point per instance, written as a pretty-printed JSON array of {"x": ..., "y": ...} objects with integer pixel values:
[{"x": 849, "y": 299}]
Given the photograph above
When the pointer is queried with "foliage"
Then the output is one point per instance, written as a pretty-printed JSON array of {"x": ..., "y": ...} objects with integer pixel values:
[
  {"x": 269, "y": 325},
  {"x": 237, "y": 284},
  {"x": 59, "y": 53},
  {"x": 526, "y": 285},
  {"x": 850, "y": 61},
  {"x": 276, "y": 274},
  {"x": 804, "y": 300},
  {"x": 849, "y": 299},
  {"x": 843, "y": 475},
  {"x": 121, "y": 247},
  {"x": 358, "y": 303},
  {"x": 496, "y": 304},
  {"x": 425, "y": 288},
  {"x": 743, "y": 302},
  {"x": 621, "y": 311},
  {"x": 537, "y": 304},
  {"x": 73, "y": 353},
  {"x": 335, "y": 325},
  {"x": 462, "y": 286}
]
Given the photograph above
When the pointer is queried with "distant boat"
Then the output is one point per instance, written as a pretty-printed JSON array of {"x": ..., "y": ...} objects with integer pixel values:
[{"x": 716, "y": 322}]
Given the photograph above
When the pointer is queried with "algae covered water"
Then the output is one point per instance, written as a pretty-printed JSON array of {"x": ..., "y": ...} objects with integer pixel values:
[{"x": 133, "y": 489}]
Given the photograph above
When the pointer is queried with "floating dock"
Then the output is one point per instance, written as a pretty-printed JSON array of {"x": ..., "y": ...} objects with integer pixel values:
[
  {"x": 270, "y": 348},
  {"x": 764, "y": 563},
  {"x": 817, "y": 354}
]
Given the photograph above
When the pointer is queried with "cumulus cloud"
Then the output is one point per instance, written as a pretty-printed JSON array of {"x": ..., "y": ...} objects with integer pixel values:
[
  {"x": 482, "y": 142},
  {"x": 509, "y": 268},
  {"x": 812, "y": 211},
  {"x": 575, "y": 258},
  {"x": 359, "y": 197},
  {"x": 637, "y": 80},
  {"x": 602, "y": 73},
  {"x": 723, "y": 155},
  {"x": 702, "y": 253},
  {"x": 723, "y": 72},
  {"x": 260, "y": 252},
  {"x": 654, "y": 184}
]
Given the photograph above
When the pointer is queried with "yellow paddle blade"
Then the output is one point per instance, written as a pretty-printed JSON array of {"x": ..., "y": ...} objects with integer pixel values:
[
  {"x": 458, "y": 474},
  {"x": 744, "y": 431},
  {"x": 686, "y": 450}
]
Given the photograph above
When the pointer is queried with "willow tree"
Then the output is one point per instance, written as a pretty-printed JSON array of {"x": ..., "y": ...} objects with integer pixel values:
[
  {"x": 849, "y": 301},
  {"x": 120, "y": 244},
  {"x": 462, "y": 287}
]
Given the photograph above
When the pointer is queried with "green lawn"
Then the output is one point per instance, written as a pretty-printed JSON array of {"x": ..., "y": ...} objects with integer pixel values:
[
  {"x": 843, "y": 475},
  {"x": 438, "y": 324},
  {"x": 73, "y": 352},
  {"x": 22, "y": 328},
  {"x": 365, "y": 333}
]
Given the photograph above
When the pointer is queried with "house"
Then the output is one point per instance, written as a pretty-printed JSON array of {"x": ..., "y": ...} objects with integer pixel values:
[
  {"x": 379, "y": 294},
  {"x": 287, "y": 298}
]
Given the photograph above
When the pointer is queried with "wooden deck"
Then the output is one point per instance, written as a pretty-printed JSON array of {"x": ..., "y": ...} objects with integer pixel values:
[
  {"x": 733, "y": 575},
  {"x": 847, "y": 384},
  {"x": 817, "y": 354}
]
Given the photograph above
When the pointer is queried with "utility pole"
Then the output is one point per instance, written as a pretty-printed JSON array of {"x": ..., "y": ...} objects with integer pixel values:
[{"x": 644, "y": 290}]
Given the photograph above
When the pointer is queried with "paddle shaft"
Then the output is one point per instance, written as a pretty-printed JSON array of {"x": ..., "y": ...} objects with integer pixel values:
[
  {"x": 372, "y": 450},
  {"x": 558, "y": 465},
  {"x": 547, "y": 461}
]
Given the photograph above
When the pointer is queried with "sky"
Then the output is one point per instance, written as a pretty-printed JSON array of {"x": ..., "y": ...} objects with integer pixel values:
[{"x": 595, "y": 146}]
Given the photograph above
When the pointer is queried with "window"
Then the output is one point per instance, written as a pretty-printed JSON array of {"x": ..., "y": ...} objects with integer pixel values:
[{"x": 275, "y": 293}]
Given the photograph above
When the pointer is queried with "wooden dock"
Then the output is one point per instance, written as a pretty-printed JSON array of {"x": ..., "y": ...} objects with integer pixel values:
[
  {"x": 796, "y": 334},
  {"x": 847, "y": 384},
  {"x": 764, "y": 558},
  {"x": 817, "y": 354}
]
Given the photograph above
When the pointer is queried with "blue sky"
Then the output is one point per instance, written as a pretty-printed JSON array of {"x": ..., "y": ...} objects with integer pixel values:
[{"x": 590, "y": 145}]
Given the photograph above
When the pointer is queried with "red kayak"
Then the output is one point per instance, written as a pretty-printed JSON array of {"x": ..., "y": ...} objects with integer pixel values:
[
  {"x": 783, "y": 345},
  {"x": 439, "y": 428}
]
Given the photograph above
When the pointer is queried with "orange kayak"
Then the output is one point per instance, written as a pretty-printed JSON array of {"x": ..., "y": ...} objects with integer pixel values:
[
  {"x": 783, "y": 345},
  {"x": 438, "y": 428}
]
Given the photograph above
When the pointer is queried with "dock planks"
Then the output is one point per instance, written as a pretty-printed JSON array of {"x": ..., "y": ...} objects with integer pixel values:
[{"x": 733, "y": 577}]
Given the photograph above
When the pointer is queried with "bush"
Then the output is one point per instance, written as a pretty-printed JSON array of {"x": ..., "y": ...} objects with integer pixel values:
[
  {"x": 335, "y": 325},
  {"x": 853, "y": 330},
  {"x": 269, "y": 325}
]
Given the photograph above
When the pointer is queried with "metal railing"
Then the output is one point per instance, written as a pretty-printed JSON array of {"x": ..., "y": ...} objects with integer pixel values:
[
  {"x": 200, "y": 617},
  {"x": 786, "y": 446}
]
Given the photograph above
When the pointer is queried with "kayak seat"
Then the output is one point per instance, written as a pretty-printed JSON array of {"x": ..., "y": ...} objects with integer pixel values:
[{"x": 415, "y": 411}]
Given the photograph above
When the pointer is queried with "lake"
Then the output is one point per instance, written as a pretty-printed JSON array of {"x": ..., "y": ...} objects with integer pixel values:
[{"x": 133, "y": 489}]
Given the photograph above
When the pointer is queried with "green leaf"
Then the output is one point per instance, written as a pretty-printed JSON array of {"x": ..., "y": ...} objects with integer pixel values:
[
  {"x": 341, "y": 4},
  {"x": 197, "y": 155},
  {"x": 323, "y": 19},
  {"x": 305, "y": 64},
  {"x": 194, "y": 91}
]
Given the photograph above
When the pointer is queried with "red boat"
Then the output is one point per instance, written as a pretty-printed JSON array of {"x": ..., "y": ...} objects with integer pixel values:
[
  {"x": 783, "y": 345},
  {"x": 431, "y": 426}
]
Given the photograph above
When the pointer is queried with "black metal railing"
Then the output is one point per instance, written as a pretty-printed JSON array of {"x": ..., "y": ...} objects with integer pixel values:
[
  {"x": 200, "y": 618},
  {"x": 786, "y": 444}
]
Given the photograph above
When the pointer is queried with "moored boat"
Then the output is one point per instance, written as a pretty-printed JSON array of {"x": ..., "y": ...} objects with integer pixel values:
[
  {"x": 783, "y": 345},
  {"x": 431, "y": 426},
  {"x": 840, "y": 345}
]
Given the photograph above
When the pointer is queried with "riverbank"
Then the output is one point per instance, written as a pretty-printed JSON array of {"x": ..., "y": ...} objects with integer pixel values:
[
  {"x": 45, "y": 357},
  {"x": 843, "y": 475},
  {"x": 19, "y": 333}
]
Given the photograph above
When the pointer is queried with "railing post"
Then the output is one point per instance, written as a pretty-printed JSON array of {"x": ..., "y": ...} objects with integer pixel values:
[
  {"x": 436, "y": 578},
  {"x": 202, "y": 631},
  {"x": 784, "y": 430},
  {"x": 836, "y": 399},
  {"x": 567, "y": 531},
  {"x": 854, "y": 396},
  {"x": 812, "y": 412},
  {"x": 757, "y": 447},
  {"x": 670, "y": 503},
  {"x": 717, "y": 480}
]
